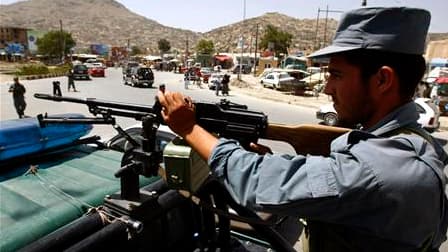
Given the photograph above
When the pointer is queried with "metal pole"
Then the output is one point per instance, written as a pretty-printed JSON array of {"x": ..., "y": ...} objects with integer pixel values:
[
  {"x": 316, "y": 42},
  {"x": 187, "y": 53},
  {"x": 317, "y": 25},
  {"x": 256, "y": 50},
  {"x": 128, "y": 49},
  {"x": 326, "y": 21},
  {"x": 242, "y": 41},
  {"x": 61, "y": 41},
  {"x": 364, "y": 3}
]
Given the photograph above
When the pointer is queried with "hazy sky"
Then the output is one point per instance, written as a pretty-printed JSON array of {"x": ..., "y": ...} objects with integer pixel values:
[{"x": 204, "y": 15}]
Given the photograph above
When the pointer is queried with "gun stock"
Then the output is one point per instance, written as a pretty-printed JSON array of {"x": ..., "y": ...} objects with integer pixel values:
[{"x": 305, "y": 138}]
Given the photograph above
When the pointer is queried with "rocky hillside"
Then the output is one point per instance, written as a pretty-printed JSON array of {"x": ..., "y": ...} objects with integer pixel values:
[
  {"x": 93, "y": 21},
  {"x": 303, "y": 31},
  {"x": 109, "y": 22}
]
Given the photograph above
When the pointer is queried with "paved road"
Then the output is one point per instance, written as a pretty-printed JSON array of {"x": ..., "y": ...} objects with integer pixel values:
[{"x": 111, "y": 88}]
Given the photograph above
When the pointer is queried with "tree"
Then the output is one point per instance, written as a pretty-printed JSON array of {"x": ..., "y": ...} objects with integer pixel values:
[
  {"x": 52, "y": 42},
  {"x": 135, "y": 50},
  {"x": 280, "y": 40},
  {"x": 205, "y": 47},
  {"x": 164, "y": 45}
]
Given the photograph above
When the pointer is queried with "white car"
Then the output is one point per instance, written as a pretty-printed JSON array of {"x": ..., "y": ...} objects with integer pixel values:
[
  {"x": 214, "y": 78},
  {"x": 278, "y": 80},
  {"x": 428, "y": 111}
]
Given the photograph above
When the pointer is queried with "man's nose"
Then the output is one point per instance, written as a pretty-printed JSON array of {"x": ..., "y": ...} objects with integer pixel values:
[{"x": 328, "y": 90}]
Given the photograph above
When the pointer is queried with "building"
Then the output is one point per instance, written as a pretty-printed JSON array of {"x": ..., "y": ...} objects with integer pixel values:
[{"x": 12, "y": 35}]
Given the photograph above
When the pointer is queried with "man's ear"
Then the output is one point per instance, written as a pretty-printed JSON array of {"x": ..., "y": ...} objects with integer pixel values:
[{"x": 385, "y": 78}]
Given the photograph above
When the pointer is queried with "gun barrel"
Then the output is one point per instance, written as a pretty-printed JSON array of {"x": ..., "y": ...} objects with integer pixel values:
[
  {"x": 58, "y": 98},
  {"x": 97, "y": 102}
]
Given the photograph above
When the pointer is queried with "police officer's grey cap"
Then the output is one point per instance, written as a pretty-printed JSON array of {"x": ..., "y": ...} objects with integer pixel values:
[{"x": 395, "y": 29}]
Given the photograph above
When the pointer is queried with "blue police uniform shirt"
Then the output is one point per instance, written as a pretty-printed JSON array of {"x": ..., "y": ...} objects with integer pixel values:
[{"x": 392, "y": 188}]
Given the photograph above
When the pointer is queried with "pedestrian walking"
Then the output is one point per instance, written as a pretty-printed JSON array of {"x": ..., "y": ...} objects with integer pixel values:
[
  {"x": 71, "y": 81},
  {"x": 186, "y": 79},
  {"x": 18, "y": 95},
  {"x": 217, "y": 86},
  {"x": 57, "y": 88},
  {"x": 225, "y": 84}
]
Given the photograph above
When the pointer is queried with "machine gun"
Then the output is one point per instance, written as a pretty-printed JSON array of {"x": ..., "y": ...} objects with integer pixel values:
[{"x": 224, "y": 118}]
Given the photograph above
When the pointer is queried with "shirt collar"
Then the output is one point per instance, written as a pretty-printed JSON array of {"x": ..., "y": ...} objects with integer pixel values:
[{"x": 405, "y": 115}]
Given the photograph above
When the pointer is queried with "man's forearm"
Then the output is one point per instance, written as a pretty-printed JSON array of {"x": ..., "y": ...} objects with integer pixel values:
[{"x": 201, "y": 141}]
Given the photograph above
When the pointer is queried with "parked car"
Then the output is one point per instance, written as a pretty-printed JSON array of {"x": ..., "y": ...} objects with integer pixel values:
[
  {"x": 428, "y": 111},
  {"x": 245, "y": 69},
  {"x": 193, "y": 74},
  {"x": 139, "y": 76},
  {"x": 80, "y": 72},
  {"x": 206, "y": 72},
  {"x": 97, "y": 72},
  {"x": 278, "y": 80}
]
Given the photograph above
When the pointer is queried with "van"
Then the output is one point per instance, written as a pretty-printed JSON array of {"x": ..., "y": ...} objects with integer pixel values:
[
  {"x": 139, "y": 76},
  {"x": 246, "y": 69}
]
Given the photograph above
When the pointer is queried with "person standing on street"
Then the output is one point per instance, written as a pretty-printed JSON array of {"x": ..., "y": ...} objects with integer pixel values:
[
  {"x": 218, "y": 86},
  {"x": 57, "y": 88},
  {"x": 382, "y": 187},
  {"x": 186, "y": 79},
  {"x": 18, "y": 95},
  {"x": 225, "y": 84},
  {"x": 71, "y": 81}
]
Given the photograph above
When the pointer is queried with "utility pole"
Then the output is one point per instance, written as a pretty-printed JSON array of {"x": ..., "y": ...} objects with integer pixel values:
[
  {"x": 256, "y": 50},
  {"x": 186, "y": 52},
  {"x": 250, "y": 45},
  {"x": 317, "y": 42},
  {"x": 128, "y": 49},
  {"x": 325, "y": 29},
  {"x": 317, "y": 30},
  {"x": 62, "y": 41},
  {"x": 242, "y": 41}
]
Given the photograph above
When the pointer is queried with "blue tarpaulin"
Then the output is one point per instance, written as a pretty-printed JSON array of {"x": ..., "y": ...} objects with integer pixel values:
[{"x": 13, "y": 48}]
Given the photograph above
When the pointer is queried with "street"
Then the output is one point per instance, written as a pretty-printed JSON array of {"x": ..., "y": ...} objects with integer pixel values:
[{"x": 111, "y": 88}]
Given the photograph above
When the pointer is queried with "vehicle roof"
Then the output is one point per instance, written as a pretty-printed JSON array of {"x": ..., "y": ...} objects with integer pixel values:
[{"x": 44, "y": 209}]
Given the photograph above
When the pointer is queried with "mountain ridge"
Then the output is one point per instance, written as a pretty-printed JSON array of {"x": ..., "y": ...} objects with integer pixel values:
[{"x": 116, "y": 25}]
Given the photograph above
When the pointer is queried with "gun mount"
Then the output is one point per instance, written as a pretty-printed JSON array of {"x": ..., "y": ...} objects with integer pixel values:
[{"x": 226, "y": 119}]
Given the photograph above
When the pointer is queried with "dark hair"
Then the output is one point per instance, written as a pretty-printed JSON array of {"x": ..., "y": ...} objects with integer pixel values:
[{"x": 409, "y": 67}]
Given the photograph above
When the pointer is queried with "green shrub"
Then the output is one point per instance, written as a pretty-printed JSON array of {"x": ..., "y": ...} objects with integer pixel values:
[
  {"x": 33, "y": 69},
  {"x": 40, "y": 69},
  {"x": 61, "y": 69}
]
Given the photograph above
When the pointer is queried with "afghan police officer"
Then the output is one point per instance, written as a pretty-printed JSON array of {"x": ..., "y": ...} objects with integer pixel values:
[{"x": 382, "y": 187}]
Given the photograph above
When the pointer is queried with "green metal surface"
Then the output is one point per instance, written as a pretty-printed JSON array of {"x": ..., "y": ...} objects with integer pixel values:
[{"x": 66, "y": 184}]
